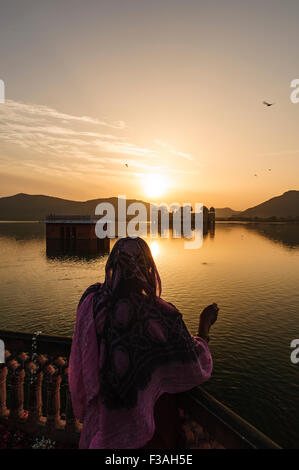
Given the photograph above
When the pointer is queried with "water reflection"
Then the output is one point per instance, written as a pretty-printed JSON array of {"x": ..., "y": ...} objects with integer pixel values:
[
  {"x": 212, "y": 231},
  {"x": 22, "y": 230},
  {"x": 80, "y": 249},
  {"x": 285, "y": 233},
  {"x": 155, "y": 249}
]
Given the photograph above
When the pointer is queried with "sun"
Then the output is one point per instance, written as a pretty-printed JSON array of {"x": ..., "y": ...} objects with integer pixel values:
[{"x": 155, "y": 185}]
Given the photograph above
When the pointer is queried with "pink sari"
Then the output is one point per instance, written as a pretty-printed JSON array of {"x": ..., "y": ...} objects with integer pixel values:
[{"x": 129, "y": 348}]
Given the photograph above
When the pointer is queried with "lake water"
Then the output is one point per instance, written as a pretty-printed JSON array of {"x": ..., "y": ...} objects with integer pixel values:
[{"x": 250, "y": 270}]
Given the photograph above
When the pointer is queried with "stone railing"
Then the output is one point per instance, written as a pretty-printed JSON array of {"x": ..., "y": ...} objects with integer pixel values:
[
  {"x": 35, "y": 398},
  {"x": 34, "y": 393}
]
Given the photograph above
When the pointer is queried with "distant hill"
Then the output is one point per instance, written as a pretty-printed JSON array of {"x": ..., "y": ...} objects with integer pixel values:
[
  {"x": 37, "y": 207},
  {"x": 225, "y": 213},
  {"x": 285, "y": 206}
]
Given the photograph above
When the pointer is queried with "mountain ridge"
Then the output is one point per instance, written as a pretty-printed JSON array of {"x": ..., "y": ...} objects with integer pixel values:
[
  {"x": 226, "y": 212},
  {"x": 284, "y": 206},
  {"x": 24, "y": 206}
]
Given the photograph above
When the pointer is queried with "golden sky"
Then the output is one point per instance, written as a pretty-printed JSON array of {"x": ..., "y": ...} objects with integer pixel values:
[{"x": 158, "y": 100}]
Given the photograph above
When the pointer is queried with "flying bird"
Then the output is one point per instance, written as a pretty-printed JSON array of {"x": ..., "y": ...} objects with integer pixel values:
[{"x": 268, "y": 104}]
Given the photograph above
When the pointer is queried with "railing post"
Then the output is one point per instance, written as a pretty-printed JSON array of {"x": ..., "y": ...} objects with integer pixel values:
[
  {"x": 17, "y": 382},
  {"x": 53, "y": 381},
  {"x": 35, "y": 393},
  {"x": 3, "y": 375}
]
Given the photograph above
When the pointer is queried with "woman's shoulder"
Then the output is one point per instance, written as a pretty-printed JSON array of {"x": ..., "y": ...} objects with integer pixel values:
[
  {"x": 90, "y": 290},
  {"x": 168, "y": 306}
]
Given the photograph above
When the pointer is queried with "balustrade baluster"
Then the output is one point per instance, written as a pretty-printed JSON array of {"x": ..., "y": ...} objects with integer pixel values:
[
  {"x": 35, "y": 393},
  {"x": 17, "y": 392},
  {"x": 3, "y": 375},
  {"x": 53, "y": 382}
]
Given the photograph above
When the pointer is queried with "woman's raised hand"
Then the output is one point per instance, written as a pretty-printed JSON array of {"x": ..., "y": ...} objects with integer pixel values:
[{"x": 207, "y": 318}]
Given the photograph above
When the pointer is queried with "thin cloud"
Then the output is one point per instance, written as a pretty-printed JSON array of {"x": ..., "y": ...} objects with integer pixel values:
[
  {"x": 55, "y": 142},
  {"x": 172, "y": 150},
  {"x": 46, "y": 112},
  {"x": 126, "y": 148}
]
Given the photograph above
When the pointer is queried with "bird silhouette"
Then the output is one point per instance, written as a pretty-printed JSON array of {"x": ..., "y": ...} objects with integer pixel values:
[{"x": 268, "y": 104}]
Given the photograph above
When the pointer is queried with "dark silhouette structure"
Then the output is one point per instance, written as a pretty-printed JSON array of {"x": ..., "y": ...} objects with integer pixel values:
[{"x": 74, "y": 234}]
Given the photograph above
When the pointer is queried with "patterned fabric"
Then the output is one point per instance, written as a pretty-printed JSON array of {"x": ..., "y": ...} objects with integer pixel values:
[
  {"x": 129, "y": 347},
  {"x": 136, "y": 331}
]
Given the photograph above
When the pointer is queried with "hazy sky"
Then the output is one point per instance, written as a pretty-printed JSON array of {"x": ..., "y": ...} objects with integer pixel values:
[{"x": 172, "y": 88}]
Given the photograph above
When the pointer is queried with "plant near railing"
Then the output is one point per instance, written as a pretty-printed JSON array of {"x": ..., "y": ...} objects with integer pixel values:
[
  {"x": 43, "y": 443},
  {"x": 34, "y": 357}
]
